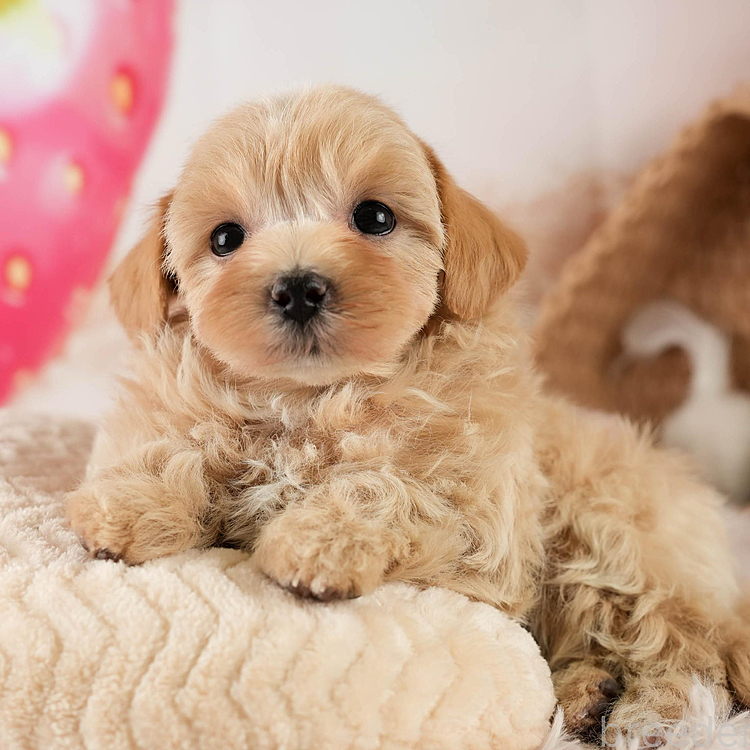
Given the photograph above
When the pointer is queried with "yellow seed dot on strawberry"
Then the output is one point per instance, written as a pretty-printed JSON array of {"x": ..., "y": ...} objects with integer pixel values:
[
  {"x": 18, "y": 273},
  {"x": 122, "y": 92},
  {"x": 6, "y": 146},
  {"x": 73, "y": 178}
]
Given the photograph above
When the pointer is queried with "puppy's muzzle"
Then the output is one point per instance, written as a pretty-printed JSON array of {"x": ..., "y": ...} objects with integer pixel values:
[{"x": 300, "y": 297}]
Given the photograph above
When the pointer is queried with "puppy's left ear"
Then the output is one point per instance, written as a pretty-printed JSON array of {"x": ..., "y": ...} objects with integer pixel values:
[
  {"x": 482, "y": 256},
  {"x": 139, "y": 288}
]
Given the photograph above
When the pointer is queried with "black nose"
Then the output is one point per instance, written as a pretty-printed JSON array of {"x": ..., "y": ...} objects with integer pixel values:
[{"x": 300, "y": 297}]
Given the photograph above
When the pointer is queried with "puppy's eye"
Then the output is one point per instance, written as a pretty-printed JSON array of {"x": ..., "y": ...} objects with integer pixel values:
[
  {"x": 226, "y": 238},
  {"x": 371, "y": 217}
]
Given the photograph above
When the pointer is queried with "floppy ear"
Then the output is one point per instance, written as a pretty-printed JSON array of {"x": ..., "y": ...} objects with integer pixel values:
[
  {"x": 482, "y": 257},
  {"x": 139, "y": 288}
]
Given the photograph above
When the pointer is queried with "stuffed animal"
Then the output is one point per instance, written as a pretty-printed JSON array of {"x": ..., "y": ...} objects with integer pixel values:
[{"x": 682, "y": 233}]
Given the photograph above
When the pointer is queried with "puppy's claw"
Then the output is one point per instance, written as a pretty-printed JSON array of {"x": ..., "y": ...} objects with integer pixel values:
[
  {"x": 105, "y": 554},
  {"x": 295, "y": 587},
  {"x": 609, "y": 689}
]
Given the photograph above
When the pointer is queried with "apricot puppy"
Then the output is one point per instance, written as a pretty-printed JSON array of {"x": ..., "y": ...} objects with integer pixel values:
[{"x": 327, "y": 371}]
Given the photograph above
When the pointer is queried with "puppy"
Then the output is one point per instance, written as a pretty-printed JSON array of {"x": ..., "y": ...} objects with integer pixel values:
[{"x": 328, "y": 373}]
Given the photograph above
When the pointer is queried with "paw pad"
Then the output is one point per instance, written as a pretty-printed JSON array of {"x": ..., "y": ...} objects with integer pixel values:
[{"x": 610, "y": 691}]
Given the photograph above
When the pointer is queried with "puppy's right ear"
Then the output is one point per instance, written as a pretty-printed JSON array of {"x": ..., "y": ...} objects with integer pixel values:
[{"x": 139, "y": 287}]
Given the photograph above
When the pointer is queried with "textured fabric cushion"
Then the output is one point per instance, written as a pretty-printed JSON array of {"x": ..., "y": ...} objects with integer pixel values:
[{"x": 201, "y": 651}]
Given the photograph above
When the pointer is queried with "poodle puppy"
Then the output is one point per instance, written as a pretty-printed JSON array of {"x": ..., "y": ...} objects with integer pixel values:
[{"x": 328, "y": 372}]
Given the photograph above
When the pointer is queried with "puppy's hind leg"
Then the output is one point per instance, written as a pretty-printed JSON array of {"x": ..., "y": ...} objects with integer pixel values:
[
  {"x": 663, "y": 652},
  {"x": 631, "y": 575},
  {"x": 654, "y": 645}
]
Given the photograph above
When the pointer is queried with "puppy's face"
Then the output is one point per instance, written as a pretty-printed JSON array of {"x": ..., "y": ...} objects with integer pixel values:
[
  {"x": 307, "y": 241},
  {"x": 306, "y": 237}
]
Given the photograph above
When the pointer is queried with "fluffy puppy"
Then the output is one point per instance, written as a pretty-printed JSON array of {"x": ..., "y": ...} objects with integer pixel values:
[{"x": 328, "y": 373}]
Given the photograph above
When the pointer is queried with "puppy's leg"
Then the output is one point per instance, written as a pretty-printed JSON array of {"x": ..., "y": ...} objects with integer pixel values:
[
  {"x": 639, "y": 574},
  {"x": 152, "y": 503},
  {"x": 653, "y": 644},
  {"x": 657, "y": 687},
  {"x": 585, "y": 692},
  {"x": 336, "y": 543}
]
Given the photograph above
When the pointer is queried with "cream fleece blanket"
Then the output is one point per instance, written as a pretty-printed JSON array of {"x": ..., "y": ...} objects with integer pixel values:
[{"x": 200, "y": 651}]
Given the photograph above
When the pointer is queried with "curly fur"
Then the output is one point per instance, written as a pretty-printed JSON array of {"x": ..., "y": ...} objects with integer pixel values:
[{"x": 404, "y": 436}]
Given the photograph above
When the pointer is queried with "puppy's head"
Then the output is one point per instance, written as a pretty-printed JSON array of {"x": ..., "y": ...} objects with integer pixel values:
[{"x": 311, "y": 237}]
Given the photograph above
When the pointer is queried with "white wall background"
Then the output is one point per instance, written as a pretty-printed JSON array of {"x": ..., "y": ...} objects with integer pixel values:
[{"x": 517, "y": 95}]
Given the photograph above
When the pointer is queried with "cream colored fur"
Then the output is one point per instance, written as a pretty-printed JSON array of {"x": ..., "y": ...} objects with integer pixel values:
[{"x": 404, "y": 436}]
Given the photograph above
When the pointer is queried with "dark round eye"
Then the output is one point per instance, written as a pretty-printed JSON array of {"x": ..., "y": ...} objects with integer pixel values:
[
  {"x": 371, "y": 217},
  {"x": 226, "y": 238}
]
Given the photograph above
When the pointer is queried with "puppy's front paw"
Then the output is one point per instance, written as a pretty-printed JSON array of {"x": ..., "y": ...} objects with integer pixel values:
[
  {"x": 319, "y": 556},
  {"x": 119, "y": 520}
]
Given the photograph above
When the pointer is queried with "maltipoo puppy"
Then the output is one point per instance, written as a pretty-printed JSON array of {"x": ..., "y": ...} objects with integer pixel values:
[{"x": 328, "y": 373}]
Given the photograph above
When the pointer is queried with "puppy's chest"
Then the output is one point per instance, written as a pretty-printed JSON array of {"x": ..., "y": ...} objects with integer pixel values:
[
  {"x": 294, "y": 453},
  {"x": 304, "y": 451}
]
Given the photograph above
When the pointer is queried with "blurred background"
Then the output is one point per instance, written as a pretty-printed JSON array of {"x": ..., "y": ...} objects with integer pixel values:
[{"x": 543, "y": 108}]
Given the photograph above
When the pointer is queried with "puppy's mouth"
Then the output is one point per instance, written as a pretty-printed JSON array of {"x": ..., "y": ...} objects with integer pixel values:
[{"x": 309, "y": 342}]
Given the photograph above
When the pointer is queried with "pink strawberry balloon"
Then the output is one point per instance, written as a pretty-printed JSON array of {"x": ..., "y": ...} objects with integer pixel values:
[{"x": 81, "y": 85}]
